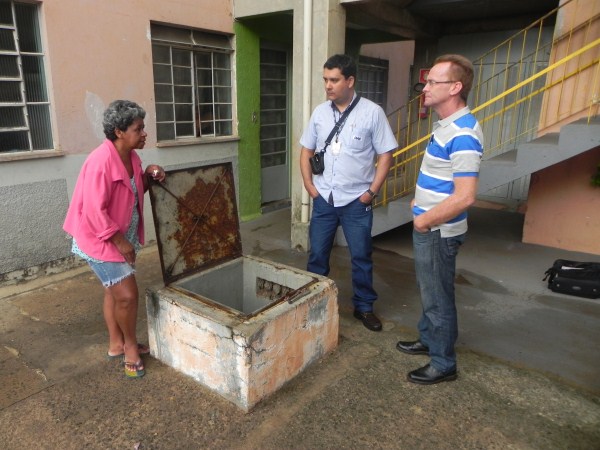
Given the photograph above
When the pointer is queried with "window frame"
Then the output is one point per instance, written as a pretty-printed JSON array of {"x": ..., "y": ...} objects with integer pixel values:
[
  {"x": 200, "y": 45},
  {"x": 379, "y": 70},
  {"x": 26, "y": 103}
]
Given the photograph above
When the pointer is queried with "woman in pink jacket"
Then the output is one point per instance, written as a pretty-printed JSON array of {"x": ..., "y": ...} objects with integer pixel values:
[{"x": 105, "y": 218}]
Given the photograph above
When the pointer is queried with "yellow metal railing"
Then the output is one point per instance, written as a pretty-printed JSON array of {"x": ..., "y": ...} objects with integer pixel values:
[{"x": 518, "y": 96}]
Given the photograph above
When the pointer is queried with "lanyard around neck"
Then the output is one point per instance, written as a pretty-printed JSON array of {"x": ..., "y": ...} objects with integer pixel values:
[{"x": 340, "y": 123}]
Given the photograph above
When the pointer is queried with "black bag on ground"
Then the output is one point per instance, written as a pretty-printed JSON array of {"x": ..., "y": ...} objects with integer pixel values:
[{"x": 575, "y": 278}]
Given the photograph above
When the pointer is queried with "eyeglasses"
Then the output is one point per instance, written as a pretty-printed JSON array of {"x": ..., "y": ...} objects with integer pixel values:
[{"x": 433, "y": 82}]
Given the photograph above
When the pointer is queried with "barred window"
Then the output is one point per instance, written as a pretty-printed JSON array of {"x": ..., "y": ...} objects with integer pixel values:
[
  {"x": 24, "y": 105},
  {"x": 192, "y": 83},
  {"x": 372, "y": 79}
]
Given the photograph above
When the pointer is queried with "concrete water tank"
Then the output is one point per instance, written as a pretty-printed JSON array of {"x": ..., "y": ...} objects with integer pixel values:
[{"x": 240, "y": 325}]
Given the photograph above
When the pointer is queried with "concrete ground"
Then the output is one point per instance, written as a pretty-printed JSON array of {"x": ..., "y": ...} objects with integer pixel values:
[{"x": 529, "y": 362}]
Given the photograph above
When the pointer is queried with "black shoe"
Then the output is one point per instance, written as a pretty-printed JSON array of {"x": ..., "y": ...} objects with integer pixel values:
[
  {"x": 369, "y": 320},
  {"x": 412, "y": 347},
  {"x": 430, "y": 375}
]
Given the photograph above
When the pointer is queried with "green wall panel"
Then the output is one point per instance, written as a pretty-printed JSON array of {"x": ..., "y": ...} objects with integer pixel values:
[{"x": 248, "y": 105}]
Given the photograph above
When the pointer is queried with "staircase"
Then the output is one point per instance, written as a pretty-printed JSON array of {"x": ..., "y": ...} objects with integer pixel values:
[
  {"x": 534, "y": 112},
  {"x": 545, "y": 151}
]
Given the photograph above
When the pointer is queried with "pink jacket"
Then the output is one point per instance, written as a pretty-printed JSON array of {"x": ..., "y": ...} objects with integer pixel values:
[{"x": 103, "y": 201}]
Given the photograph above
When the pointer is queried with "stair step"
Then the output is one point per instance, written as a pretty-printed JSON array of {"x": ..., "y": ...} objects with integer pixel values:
[
  {"x": 509, "y": 157},
  {"x": 579, "y": 136},
  {"x": 539, "y": 153}
]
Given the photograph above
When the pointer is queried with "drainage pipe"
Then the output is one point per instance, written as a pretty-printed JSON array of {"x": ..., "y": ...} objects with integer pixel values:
[{"x": 306, "y": 83}]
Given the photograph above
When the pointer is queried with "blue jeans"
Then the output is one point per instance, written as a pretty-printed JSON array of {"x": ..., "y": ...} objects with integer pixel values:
[
  {"x": 435, "y": 266},
  {"x": 356, "y": 220}
]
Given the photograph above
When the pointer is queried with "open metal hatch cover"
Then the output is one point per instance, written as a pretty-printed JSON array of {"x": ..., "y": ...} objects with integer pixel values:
[{"x": 196, "y": 220}]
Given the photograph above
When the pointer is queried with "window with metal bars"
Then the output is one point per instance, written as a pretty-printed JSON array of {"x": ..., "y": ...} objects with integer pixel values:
[
  {"x": 192, "y": 83},
  {"x": 372, "y": 79},
  {"x": 273, "y": 107},
  {"x": 24, "y": 104}
]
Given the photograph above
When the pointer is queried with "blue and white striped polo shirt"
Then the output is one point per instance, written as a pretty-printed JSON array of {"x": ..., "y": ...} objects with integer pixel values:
[{"x": 454, "y": 150}]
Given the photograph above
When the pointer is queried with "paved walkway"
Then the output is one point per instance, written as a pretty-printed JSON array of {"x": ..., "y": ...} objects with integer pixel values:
[{"x": 529, "y": 362}]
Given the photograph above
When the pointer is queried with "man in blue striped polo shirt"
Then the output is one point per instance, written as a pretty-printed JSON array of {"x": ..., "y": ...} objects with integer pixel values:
[{"x": 446, "y": 187}]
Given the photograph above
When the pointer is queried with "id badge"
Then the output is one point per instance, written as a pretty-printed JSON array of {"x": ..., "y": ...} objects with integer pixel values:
[{"x": 336, "y": 148}]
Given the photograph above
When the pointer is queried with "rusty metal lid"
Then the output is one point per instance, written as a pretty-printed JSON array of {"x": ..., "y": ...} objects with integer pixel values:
[{"x": 196, "y": 219}]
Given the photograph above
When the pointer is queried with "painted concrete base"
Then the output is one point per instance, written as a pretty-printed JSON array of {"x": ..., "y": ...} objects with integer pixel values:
[{"x": 244, "y": 359}]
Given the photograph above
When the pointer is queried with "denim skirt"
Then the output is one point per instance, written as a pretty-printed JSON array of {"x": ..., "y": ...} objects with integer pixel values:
[{"x": 111, "y": 273}]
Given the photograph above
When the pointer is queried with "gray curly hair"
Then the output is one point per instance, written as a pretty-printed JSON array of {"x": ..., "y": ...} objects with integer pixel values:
[{"x": 120, "y": 114}]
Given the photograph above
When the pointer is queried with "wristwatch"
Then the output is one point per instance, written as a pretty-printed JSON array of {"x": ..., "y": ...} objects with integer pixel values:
[{"x": 371, "y": 193}]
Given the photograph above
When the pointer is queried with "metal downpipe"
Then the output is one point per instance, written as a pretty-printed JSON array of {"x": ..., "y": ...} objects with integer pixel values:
[{"x": 306, "y": 78}]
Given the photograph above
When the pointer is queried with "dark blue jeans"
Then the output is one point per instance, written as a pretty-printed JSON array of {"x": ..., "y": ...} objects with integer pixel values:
[
  {"x": 356, "y": 220},
  {"x": 435, "y": 266}
]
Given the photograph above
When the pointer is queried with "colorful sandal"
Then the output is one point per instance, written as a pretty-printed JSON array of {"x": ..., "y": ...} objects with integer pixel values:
[{"x": 134, "y": 370}]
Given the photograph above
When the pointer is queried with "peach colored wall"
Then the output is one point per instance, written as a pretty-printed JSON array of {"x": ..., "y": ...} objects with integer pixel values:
[
  {"x": 81, "y": 81},
  {"x": 572, "y": 99},
  {"x": 563, "y": 209}
]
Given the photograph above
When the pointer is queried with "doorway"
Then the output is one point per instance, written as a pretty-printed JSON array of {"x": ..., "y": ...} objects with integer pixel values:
[{"x": 274, "y": 125}]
